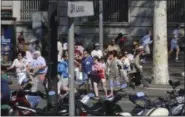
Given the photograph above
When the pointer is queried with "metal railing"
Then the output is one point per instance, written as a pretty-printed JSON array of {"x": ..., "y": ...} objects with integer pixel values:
[
  {"x": 28, "y": 7},
  {"x": 6, "y": 4},
  {"x": 176, "y": 11}
]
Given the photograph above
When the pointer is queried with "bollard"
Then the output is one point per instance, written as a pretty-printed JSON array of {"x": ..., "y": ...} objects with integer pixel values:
[{"x": 52, "y": 97}]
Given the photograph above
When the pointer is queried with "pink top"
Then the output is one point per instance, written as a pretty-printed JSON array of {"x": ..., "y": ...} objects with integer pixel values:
[{"x": 98, "y": 69}]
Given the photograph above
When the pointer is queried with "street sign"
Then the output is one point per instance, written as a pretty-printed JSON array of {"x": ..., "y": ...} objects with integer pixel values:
[{"x": 80, "y": 9}]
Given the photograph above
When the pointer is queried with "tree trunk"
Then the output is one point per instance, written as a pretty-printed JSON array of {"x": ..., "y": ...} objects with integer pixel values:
[{"x": 160, "y": 51}]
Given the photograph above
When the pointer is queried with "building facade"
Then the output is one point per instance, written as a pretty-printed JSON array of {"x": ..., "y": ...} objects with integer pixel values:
[
  {"x": 129, "y": 17},
  {"x": 21, "y": 11},
  {"x": 17, "y": 16}
]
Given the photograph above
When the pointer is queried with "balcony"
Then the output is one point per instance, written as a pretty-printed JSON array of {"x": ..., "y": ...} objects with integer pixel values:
[
  {"x": 7, "y": 5},
  {"x": 27, "y": 8}
]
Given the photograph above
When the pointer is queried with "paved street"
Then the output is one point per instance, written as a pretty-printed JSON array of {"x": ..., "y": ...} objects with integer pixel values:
[{"x": 153, "y": 92}]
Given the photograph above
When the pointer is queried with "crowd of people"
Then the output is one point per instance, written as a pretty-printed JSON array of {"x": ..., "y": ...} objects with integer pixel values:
[
  {"x": 115, "y": 65},
  {"x": 29, "y": 64}
]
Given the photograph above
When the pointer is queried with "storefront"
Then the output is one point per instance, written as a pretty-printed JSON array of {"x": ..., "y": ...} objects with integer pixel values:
[{"x": 8, "y": 39}]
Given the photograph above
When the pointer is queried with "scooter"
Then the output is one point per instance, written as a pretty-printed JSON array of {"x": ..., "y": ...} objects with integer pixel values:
[
  {"x": 174, "y": 101},
  {"x": 144, "y": 106},
  {"x": 24, "y": 97}
]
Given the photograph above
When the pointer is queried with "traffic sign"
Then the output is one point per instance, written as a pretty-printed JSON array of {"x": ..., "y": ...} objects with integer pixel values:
[{"x": 80, "y": 9}]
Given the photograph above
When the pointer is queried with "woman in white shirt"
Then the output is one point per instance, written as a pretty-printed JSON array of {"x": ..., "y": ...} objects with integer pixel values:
[{"x": 20, "y": 64}]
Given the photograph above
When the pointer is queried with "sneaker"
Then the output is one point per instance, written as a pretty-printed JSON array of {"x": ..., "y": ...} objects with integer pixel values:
[
  {"x": 177, "y": 59},
  {"x": 96, "y": 98},
  {"x": 110, "y": 95}
]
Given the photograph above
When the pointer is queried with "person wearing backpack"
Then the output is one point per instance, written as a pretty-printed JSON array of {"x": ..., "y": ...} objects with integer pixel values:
[{"x": 63, "y": 75}]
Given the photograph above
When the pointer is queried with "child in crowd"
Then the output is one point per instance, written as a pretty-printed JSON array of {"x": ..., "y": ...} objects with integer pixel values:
[
  {"x": 125, "y": 67},
  {"x": 63, "y": 75},
  {"x": 103, "y": 78},
  {"x": 98, "y": 75}
]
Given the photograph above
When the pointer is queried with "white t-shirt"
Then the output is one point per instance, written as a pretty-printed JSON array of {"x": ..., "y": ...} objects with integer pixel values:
[
  {"x": 126, "y": 64},
  {"x": 97, "y": 53},
  {"x": 20, "y": 65}
]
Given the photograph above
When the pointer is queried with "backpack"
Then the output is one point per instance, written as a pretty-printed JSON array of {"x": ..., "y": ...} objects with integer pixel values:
[{"x": 61, "y": 67}]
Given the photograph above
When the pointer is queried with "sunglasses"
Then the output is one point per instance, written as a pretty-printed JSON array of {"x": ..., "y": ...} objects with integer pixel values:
[{"x": 19, "y": 55}]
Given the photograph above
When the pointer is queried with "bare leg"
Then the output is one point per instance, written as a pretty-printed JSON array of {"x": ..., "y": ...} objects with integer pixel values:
[
  {"x": 59, "y": 87},
  {"x": 95, "y": 88},
  {"x": 177, "y": 53},
  {"x": 111, "y": 87},
  {"x": 104, "y": 86}
]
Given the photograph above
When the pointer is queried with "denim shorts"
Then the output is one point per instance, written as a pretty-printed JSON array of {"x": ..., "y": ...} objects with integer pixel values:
[{"x": 85, "y": 76}]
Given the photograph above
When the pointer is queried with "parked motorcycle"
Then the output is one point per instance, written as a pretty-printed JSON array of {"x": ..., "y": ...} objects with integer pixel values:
[
  {"x": 24, "y": 98},
  {"x": 174, "y": 101},
  {"x": 144, "y": 106},
  {"x": 103, "y": 107}
]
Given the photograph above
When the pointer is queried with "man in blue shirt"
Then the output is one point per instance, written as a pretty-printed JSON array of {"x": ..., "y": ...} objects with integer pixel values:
[
  {"x": 145, "y": 42},
  {"x": 87, "y": 62}
]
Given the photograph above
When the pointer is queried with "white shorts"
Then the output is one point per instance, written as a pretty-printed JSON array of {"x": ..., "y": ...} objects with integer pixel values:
[{"x": 21, "y": 77}]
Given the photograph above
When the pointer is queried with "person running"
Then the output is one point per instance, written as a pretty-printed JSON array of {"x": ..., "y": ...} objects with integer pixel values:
[
  {"x": 145, "y": 42},
  {"x": 98, "y": 75},
  {"x": 39, "y": 69},
  {"x": 21, "y": 65},
  {"x": 175, "y": 45}
]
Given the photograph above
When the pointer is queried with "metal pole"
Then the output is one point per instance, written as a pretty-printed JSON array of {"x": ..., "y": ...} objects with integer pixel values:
[
  {"x": 71, "y": 68},
  {"x": 101, "y": 24}
]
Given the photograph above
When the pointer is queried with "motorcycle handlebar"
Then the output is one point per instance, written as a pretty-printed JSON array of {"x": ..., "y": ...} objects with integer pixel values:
[{"x": 38, "y": 93}]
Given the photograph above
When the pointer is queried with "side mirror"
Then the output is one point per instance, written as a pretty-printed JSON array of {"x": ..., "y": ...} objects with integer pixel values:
[{"x": 174, "y": 84}]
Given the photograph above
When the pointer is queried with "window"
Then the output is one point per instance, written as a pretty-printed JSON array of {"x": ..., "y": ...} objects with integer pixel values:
[
  {"x": 28, "y": 7},
  {"x": 113, "y": 11},
  {"x": 176, "y": 11},
  {"x": 6, "y": 13}
]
